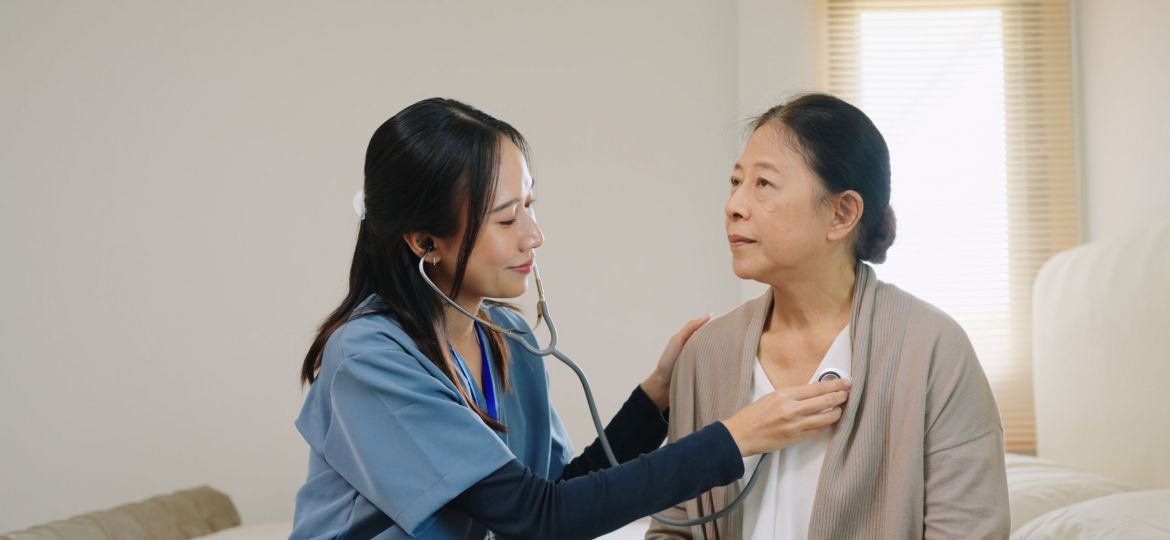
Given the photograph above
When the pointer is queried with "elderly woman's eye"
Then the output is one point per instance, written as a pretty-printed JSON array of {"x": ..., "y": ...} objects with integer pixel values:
[
  {"x": 735, "y": 181},
  {"x": 762, "y": 182}
]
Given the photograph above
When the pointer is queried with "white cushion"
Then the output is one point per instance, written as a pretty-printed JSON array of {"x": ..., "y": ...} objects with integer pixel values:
[
  {"x": 1037, "y": 486},
  {"x": 1101, "y": 345},
  {"x": 1135, "y": 515}
]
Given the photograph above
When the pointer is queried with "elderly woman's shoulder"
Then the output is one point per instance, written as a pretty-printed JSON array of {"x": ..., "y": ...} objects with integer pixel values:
[
  {"x": 923, "y": 320},
  {"x": 731, "y": 325},
  {"x": 721, "y": 340}
]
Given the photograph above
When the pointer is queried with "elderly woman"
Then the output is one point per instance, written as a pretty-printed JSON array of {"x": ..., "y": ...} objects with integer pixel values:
[{"x": 918, "y": 450}]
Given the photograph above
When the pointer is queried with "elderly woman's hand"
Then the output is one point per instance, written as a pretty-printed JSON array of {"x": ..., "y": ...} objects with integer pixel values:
[{"x": 657, "y": 385}]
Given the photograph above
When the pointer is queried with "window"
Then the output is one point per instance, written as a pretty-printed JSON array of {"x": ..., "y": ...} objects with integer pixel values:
[{"x": 973, "y": 98}]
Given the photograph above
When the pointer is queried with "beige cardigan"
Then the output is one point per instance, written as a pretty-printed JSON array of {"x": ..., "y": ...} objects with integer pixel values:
[{"x": 918, "y": 451}]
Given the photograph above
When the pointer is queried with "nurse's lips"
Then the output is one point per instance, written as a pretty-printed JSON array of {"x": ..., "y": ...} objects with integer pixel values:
[
  {"x": 739, "y": 241},
  {"x": 523, "y": 269}
]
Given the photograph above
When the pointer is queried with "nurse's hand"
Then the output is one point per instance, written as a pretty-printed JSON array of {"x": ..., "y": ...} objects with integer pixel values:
[
  {"x": 657, "y": 385},
  {"x": 787, "y": 416}
]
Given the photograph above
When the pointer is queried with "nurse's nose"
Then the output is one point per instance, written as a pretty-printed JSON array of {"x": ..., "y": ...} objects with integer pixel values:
[{"x": 531, "y": 237}]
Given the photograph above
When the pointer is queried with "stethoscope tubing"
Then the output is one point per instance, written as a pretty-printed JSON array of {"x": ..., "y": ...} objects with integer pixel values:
[{"x": 517, "y": 336}]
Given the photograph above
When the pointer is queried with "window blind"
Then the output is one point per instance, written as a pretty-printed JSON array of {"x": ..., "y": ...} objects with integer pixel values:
[{"x": 974, "y": 99}]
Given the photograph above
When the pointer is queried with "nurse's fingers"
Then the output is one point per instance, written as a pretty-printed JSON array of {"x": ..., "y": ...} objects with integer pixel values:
[
  {"x": 817, "y": 404},
  {"x": 675, "y": 344},
  {"x": 665, "y": 368},
  {"x": 807, "y": 391},
  {"x": 822, "y": 420},
  {"x": 689, "y": 329}
]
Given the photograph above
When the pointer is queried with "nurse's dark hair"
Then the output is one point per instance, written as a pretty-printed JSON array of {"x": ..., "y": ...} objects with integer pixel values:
[
  {"x": 421, "y": 166},
  {"x": 847, "y": 152}
]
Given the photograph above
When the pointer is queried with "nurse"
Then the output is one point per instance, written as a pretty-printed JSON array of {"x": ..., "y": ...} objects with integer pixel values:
[{"x": 421, "y": 424}]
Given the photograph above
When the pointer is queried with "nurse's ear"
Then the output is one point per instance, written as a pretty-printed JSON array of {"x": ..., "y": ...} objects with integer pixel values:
[{"x": 422, "y": 243}]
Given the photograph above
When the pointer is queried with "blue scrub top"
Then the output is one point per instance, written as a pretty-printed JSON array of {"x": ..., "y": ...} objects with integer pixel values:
[{"x": 391, "y": 440}]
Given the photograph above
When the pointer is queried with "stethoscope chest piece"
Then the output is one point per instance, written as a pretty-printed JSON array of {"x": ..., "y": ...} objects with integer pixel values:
[{"x": 832, "y": 374}]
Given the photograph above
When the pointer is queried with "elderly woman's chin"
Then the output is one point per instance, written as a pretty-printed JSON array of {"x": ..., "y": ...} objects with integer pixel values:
[{"x": 748, "y": 267}]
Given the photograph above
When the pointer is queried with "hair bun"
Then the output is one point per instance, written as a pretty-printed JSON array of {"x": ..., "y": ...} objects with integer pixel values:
[{"x": 877, "y": 240}]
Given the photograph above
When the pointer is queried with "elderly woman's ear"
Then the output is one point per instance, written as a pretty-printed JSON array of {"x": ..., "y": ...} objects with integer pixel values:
[{"x": 846, "y": 208}]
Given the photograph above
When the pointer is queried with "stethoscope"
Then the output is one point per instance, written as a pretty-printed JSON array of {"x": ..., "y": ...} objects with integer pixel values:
[{"x": 551, "y": 350}]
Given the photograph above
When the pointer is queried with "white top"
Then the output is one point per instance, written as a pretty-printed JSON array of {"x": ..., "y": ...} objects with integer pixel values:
[{"x": 780, "y": 506}]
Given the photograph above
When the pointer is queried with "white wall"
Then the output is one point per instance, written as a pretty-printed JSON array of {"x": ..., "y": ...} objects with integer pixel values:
[
  {"x": 175, "y": 182},
  {"x": 1124, "y": 83},
  {"x": 175, "y": 186},
  {"x": 779, "y": 51}
]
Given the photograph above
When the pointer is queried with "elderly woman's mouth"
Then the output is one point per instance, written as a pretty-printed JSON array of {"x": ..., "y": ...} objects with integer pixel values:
[{"x": 739, "y": 241}]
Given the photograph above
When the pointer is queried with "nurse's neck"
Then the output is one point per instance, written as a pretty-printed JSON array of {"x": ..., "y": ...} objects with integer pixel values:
[
  {"x": 817, "y": 293},
  {"x": 460, "y": 328}
]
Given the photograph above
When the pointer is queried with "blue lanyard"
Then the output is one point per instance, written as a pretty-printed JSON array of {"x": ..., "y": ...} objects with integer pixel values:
[{"x": 489, "y": 385}]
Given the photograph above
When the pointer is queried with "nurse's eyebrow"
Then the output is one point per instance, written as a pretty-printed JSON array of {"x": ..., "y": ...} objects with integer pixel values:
[
  {"x": 511, "y": 202},
  {"x": 505, "y": 205}
]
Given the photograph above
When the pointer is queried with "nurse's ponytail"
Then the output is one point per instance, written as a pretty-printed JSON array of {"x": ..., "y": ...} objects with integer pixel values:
[
  {"x": 359, "y": 288},
  {"x": 421, "y": 166}
]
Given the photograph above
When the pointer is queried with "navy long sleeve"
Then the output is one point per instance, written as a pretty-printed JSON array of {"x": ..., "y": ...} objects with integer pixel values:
[
  {"x": 516, "y": 503},
  {"x": 637, "y": 428}
]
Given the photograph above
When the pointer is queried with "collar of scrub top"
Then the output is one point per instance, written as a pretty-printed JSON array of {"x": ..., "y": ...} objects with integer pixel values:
[{"x": 489, "y": 384}]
